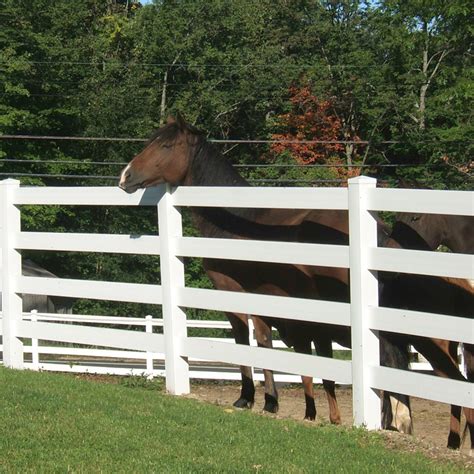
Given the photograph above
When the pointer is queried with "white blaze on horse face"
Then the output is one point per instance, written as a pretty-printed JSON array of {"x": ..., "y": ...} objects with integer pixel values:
[
  {"x": 401, "y": 417},
  {"x": 123, "y": 176}
]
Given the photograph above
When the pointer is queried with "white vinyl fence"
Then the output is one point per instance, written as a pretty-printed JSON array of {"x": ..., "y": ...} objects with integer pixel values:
[
  {"x": 362, "y": 256},
  {"x": 99, "y": 360}
]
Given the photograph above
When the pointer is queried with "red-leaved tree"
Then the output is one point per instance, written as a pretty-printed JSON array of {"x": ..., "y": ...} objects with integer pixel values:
[{"x": 311, "y": 119}]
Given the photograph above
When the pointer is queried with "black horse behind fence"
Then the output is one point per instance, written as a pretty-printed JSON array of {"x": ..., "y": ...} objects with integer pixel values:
[{"x": 180, "y": 155}]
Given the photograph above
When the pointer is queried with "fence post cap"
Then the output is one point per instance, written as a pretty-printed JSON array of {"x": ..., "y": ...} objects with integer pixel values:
[{"x": 362, "y": 180}]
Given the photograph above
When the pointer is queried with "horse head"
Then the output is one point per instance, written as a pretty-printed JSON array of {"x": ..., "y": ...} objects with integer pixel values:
[
  {"x": 165, "y": 158},
  {"x": 453, "y": 231}
]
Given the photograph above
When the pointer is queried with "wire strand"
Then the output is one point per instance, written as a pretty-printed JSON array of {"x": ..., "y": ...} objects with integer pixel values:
[
  {"x": 115, "y": 178},
  {"x": 254, "y": 165},
  {"x": 230, "y": 141},
  {"x": 130, "y": 64}
]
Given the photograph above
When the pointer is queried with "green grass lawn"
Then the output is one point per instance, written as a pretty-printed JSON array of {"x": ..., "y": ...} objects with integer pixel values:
[{"x": 59, "y": 423}]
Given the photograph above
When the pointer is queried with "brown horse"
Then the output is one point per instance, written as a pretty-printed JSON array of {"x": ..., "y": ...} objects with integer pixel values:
[
  {"x": 428, "y": 232},
  {"x": 184, "y": 157},
  {"x": 180, "y": 155}
]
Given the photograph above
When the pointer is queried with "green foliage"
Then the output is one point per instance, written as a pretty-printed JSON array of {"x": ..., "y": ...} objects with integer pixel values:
[
  {"x": 143, "y": 382},
  {"x": 117, "y": 69}
]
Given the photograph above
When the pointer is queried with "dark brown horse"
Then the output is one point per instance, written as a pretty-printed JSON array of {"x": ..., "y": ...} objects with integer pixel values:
[
  {"x": 428, "y": 232},
  {"x": 180, "y": 155}
]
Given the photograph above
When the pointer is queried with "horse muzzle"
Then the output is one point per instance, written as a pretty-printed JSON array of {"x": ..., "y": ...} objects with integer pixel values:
[
  {"x": 131, "y": 182},
  {"x": 128, "y": 182}
]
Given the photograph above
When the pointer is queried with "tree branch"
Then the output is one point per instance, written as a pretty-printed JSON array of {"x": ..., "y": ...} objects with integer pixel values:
[{"x": 444, "y": 53}]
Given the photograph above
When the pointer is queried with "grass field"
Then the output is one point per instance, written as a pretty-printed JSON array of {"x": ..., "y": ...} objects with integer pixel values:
[{"x": 59, "y": 423}]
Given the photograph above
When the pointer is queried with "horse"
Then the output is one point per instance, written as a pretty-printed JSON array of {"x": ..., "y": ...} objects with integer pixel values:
[
  {"x": 191, "y": 160},
  {"x": 428, "y": 232},
  {"x": 42, "y": 303},
  {"x": 179, "y": 154}
]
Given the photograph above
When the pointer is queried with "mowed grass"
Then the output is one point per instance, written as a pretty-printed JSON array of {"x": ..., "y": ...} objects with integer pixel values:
[{"x": 59, "y": 423}]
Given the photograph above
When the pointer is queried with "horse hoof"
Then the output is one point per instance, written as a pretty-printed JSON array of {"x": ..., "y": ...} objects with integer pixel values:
[
  {"x": 310, "y": 412},
  {"x": 271, "y": 404},
  {"x": 454, "y": 441},
  {"x": 270, "y": 407},
  {"x": 401, "y": 418},
  {"x": 243, "y": 403}
]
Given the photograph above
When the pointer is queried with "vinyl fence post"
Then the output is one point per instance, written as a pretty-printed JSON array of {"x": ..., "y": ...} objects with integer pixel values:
[
  {"x": 149, "y": 355},
  {"x": 34, "y": 343},
  {"x": 364, "y": 293},
  {"x": 172, "y": 278},
  {"x": 11, "y": 271}
]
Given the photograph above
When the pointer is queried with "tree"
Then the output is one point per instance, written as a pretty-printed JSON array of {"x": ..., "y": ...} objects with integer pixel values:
[
  {"x": 433, "y": 31},
  {"x": 311, "y": 119},
  {"x": 427, "y": 49},
  {"x": 391, "y": 70}
]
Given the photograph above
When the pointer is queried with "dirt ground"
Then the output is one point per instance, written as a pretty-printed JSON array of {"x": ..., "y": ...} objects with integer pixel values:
[{"x": 431, "y": 419}]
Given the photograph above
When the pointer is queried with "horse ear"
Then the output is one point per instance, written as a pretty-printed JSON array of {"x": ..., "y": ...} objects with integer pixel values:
[
  {"x": 170, "y": 119},
  {"x": 181, "y": 121}
]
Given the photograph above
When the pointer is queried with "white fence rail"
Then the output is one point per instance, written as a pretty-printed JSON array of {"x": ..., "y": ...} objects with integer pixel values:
[
  {"x": 101, "y": 360},
  {"x": 362, "y": 256}
]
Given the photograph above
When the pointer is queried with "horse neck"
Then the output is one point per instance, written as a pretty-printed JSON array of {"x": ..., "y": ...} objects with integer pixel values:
[
  {"x": 209, "y": 168},
  {"x": 458, "y": 233},
  {"x": 448, "y": 230},
  {"x": 407, "y": 237}
]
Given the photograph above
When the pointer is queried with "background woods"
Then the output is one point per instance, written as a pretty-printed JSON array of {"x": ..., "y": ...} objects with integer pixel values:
[{"x": 385, "y": 83}]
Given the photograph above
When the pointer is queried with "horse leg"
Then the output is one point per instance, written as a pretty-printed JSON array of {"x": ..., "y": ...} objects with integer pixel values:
[
  {"x": 324, "y": 349},
  {"x": 454, "y": 437},
  {"x": 469, "y": 412},
  {"x": 263, "y": 335},
  {"x": 455, "y": 440},
  {"x": 450, "y": 349},
  {"x": 442, "y": 356},
  {"x": 303, "y": 346},
  {"x": 396, "y": 411},
  {"x": 240, "y": 330}
]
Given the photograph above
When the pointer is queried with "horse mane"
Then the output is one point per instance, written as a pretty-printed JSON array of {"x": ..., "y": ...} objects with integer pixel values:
[{"x": 210, "y": 168}]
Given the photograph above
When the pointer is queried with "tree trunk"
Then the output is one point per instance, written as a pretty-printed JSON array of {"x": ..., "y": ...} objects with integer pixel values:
[
  {"x": 424, "y": 87},
  {"x": 163, "y": 98}
]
